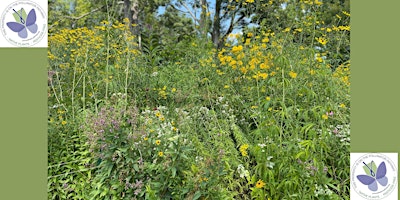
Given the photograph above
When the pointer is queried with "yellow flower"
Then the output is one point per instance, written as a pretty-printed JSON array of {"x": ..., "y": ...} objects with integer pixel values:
[
  {"x": 249, "y": 1},
  {"x": 173, "y": 90},
  {"x": 158, "y": 142},
  {"x": 263, "y": 75},
  {"x": 237, "y": 49},
  {"x": 243, "y": 70},
  {"x": 317, "y": 2},
  {"x": 324, "y": 116},
  {"x": 342, "y": 105},
  {"x": 160, "y": 153},
  {"x": 286, "y": 30},
  {"x": 264, "y": 66},
  {"x": 268, "y": 98},
  {"x": 247, "y": 41},
  {"x": 226, "y": 86},
  {"x": 292, "y": 74},
  {"x": 321, "y": 40},
  {"x": 219, "y": 72},
  {"x": 64, "y": 122},
  {"x": 145, "y": 138},
  {"x": 346, "y": 13},
  {"x": 260, "y": 184},
  {"x": 243, "y": 149},
  {"x": 344, "y": 28},
  {"x": 299, "y": 30}
]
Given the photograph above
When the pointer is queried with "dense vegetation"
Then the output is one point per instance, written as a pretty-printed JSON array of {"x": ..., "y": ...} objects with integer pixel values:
[{"x": 181, "y": 108}]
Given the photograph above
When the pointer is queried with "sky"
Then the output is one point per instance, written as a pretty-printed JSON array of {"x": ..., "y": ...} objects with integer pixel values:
[{"x": 211, "y": 6}]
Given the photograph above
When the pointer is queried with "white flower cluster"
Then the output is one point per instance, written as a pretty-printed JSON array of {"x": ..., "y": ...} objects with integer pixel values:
[
  {"x": 243, "y": 172},
  {"x": 322, "y": 191},
  {"x": 342, "y": 132}
]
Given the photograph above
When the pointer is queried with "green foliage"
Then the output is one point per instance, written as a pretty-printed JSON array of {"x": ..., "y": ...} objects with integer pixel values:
[
  {"x": 68, "y": 157},
  {"x": 265, "y": 117}
]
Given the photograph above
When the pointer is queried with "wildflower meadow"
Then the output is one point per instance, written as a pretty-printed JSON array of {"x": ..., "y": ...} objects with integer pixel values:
[{"x": 263, "y": 114}]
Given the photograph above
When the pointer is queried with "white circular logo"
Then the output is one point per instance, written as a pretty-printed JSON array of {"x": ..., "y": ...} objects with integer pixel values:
[
  {"x": 374, "y": 176},
  {"x": 23, "y": 23}
]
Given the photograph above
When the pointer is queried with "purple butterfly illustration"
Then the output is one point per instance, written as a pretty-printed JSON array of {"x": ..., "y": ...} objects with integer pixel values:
[
  {"x": 28, "y": 23},
  {"x": 379, "y": 176}
]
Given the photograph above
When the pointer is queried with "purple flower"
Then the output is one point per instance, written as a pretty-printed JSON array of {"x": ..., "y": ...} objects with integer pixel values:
[
  {"x": 325, "y": 169},
  {"x": 314, "y": 168},
  {"x": 299, "y": 161},
  {"x": 137, "y": 191},
  {"x": 138, "y": 184}
]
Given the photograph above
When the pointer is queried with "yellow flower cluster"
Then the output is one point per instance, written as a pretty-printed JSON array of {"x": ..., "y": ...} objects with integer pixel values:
[
  {"x": 162, "y": 92},
  {"x": 310, "y": 2},
  {"x": 243, "y": 149},
  {"x": 237, "y": 49},
  {"x": 343, "y": 73},
  {"x": 249, "y": 57},
  {"x": 292, "y": 74},
  {"x": 85, "y": 45}
]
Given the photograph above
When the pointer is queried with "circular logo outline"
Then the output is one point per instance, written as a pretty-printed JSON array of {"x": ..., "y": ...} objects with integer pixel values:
[
  {"x": 383, "y": 191},
  {"x": 13, "y": 36}
]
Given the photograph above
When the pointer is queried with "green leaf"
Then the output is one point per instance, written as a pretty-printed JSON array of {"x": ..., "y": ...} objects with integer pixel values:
[
  {"x": 197, "y": 195},
  {"x": 136, "y": 167},
  {"x": 173, "y": 172},
  {"x": 300, "y": 154}
]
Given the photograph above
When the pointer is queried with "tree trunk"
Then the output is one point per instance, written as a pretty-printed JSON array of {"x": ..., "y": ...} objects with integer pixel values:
[
  {"x": 216, "y": 31},
  {"x": 135, "y": 20}
]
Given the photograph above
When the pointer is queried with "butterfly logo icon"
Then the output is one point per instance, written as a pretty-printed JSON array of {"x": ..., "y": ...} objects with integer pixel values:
[
  {"x": 23, "y": 23},
  {"x": 375, "y": 175}
]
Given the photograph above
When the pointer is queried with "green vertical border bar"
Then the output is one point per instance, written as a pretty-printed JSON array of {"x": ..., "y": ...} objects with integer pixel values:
[
  {"x": 375, "y": 76},
  {"x": 23, "y": 131},
  {"x": 375, "y": 72}
]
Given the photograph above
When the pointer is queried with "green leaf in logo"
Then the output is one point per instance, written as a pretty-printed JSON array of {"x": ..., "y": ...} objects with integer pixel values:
[{"x": 19, "y": 13}]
